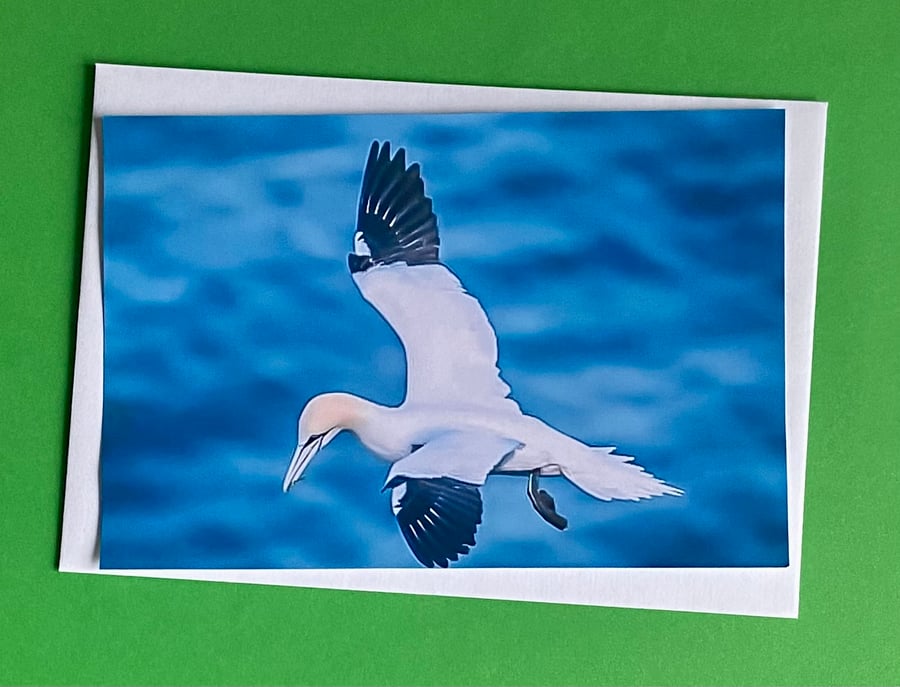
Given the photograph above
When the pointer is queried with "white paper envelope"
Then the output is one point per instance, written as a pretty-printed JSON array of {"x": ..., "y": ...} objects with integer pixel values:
[{"x": 123, "y": 90}]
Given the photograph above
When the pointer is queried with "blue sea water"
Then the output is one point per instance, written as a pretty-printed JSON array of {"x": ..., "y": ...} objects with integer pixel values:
[{"x": 630, "y": 262}]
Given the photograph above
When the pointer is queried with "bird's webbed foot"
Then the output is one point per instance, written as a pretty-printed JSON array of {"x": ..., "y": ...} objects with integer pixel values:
[{"x": 543, "y": 503}]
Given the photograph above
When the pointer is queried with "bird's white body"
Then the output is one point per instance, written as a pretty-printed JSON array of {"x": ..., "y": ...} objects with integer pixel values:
[
  {"x": 457, "y": 407},
  {"x": 393, "y": 433}
]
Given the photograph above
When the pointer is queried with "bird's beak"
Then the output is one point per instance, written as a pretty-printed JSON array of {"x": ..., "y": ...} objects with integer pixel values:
[{"x": 302, "y": 455}]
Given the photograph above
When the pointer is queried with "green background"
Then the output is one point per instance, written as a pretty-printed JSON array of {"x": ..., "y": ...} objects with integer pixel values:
[{"x": 57, "y": 628}]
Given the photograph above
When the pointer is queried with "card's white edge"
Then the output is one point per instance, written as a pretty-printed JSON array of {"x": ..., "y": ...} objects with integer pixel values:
[{"x": 771, "y": 592}]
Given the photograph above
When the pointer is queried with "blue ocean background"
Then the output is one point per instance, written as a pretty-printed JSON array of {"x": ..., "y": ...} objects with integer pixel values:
[{"x": 630, "y": 262}]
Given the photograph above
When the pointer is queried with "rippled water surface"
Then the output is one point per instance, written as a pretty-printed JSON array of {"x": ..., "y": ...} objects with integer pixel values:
[{"x": 631, "y": 263}]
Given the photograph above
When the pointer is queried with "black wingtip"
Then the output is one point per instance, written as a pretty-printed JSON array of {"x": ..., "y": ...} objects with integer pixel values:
[
  {"x": 358, "y": 263},
  {"x": 439, "y": 518},
  {"x": 395, "y": 218}
]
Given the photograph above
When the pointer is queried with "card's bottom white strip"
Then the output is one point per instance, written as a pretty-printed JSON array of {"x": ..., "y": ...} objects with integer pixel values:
[{"x": 768, "y": 592}]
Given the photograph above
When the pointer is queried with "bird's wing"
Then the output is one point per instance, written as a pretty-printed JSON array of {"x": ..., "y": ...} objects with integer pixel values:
[
  {"x": 467, "y": 456},
  {"x": 394, "y": 221},
  {"x": 451, "y": 348},
  {"x": 438, "y": 518},
  {"x": 435, "y": 495}
]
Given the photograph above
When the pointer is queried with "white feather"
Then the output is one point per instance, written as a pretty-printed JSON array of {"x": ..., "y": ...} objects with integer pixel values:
[
  {"x": 607, "y": 476},
  {"x": 360, "y": 247},
  {"x": 451, "y": 348},
  {"x": 467, "y": 456}
]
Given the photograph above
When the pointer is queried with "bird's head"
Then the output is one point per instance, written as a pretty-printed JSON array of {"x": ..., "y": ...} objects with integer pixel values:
[{"x": 323, "y": 418}]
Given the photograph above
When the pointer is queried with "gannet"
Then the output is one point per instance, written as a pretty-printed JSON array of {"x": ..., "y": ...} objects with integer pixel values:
[{"x": 457, "y": 424}]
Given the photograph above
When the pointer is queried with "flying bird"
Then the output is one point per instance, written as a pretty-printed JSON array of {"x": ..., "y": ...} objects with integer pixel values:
[{"x": 457, "y": 424}]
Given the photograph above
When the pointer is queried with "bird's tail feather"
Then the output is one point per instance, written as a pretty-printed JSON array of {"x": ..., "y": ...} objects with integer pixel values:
[{"x": 607, "y": 475}]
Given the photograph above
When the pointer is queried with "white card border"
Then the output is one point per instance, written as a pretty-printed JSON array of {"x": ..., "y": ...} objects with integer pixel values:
[{"x": 130, "y": 90}]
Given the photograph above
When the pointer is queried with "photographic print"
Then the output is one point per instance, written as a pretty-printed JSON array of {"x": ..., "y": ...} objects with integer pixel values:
[{"x": 482, "y": 340}]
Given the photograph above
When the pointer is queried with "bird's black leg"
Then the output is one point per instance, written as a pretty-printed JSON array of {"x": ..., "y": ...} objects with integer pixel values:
[{"x": 543, "y": 503}]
